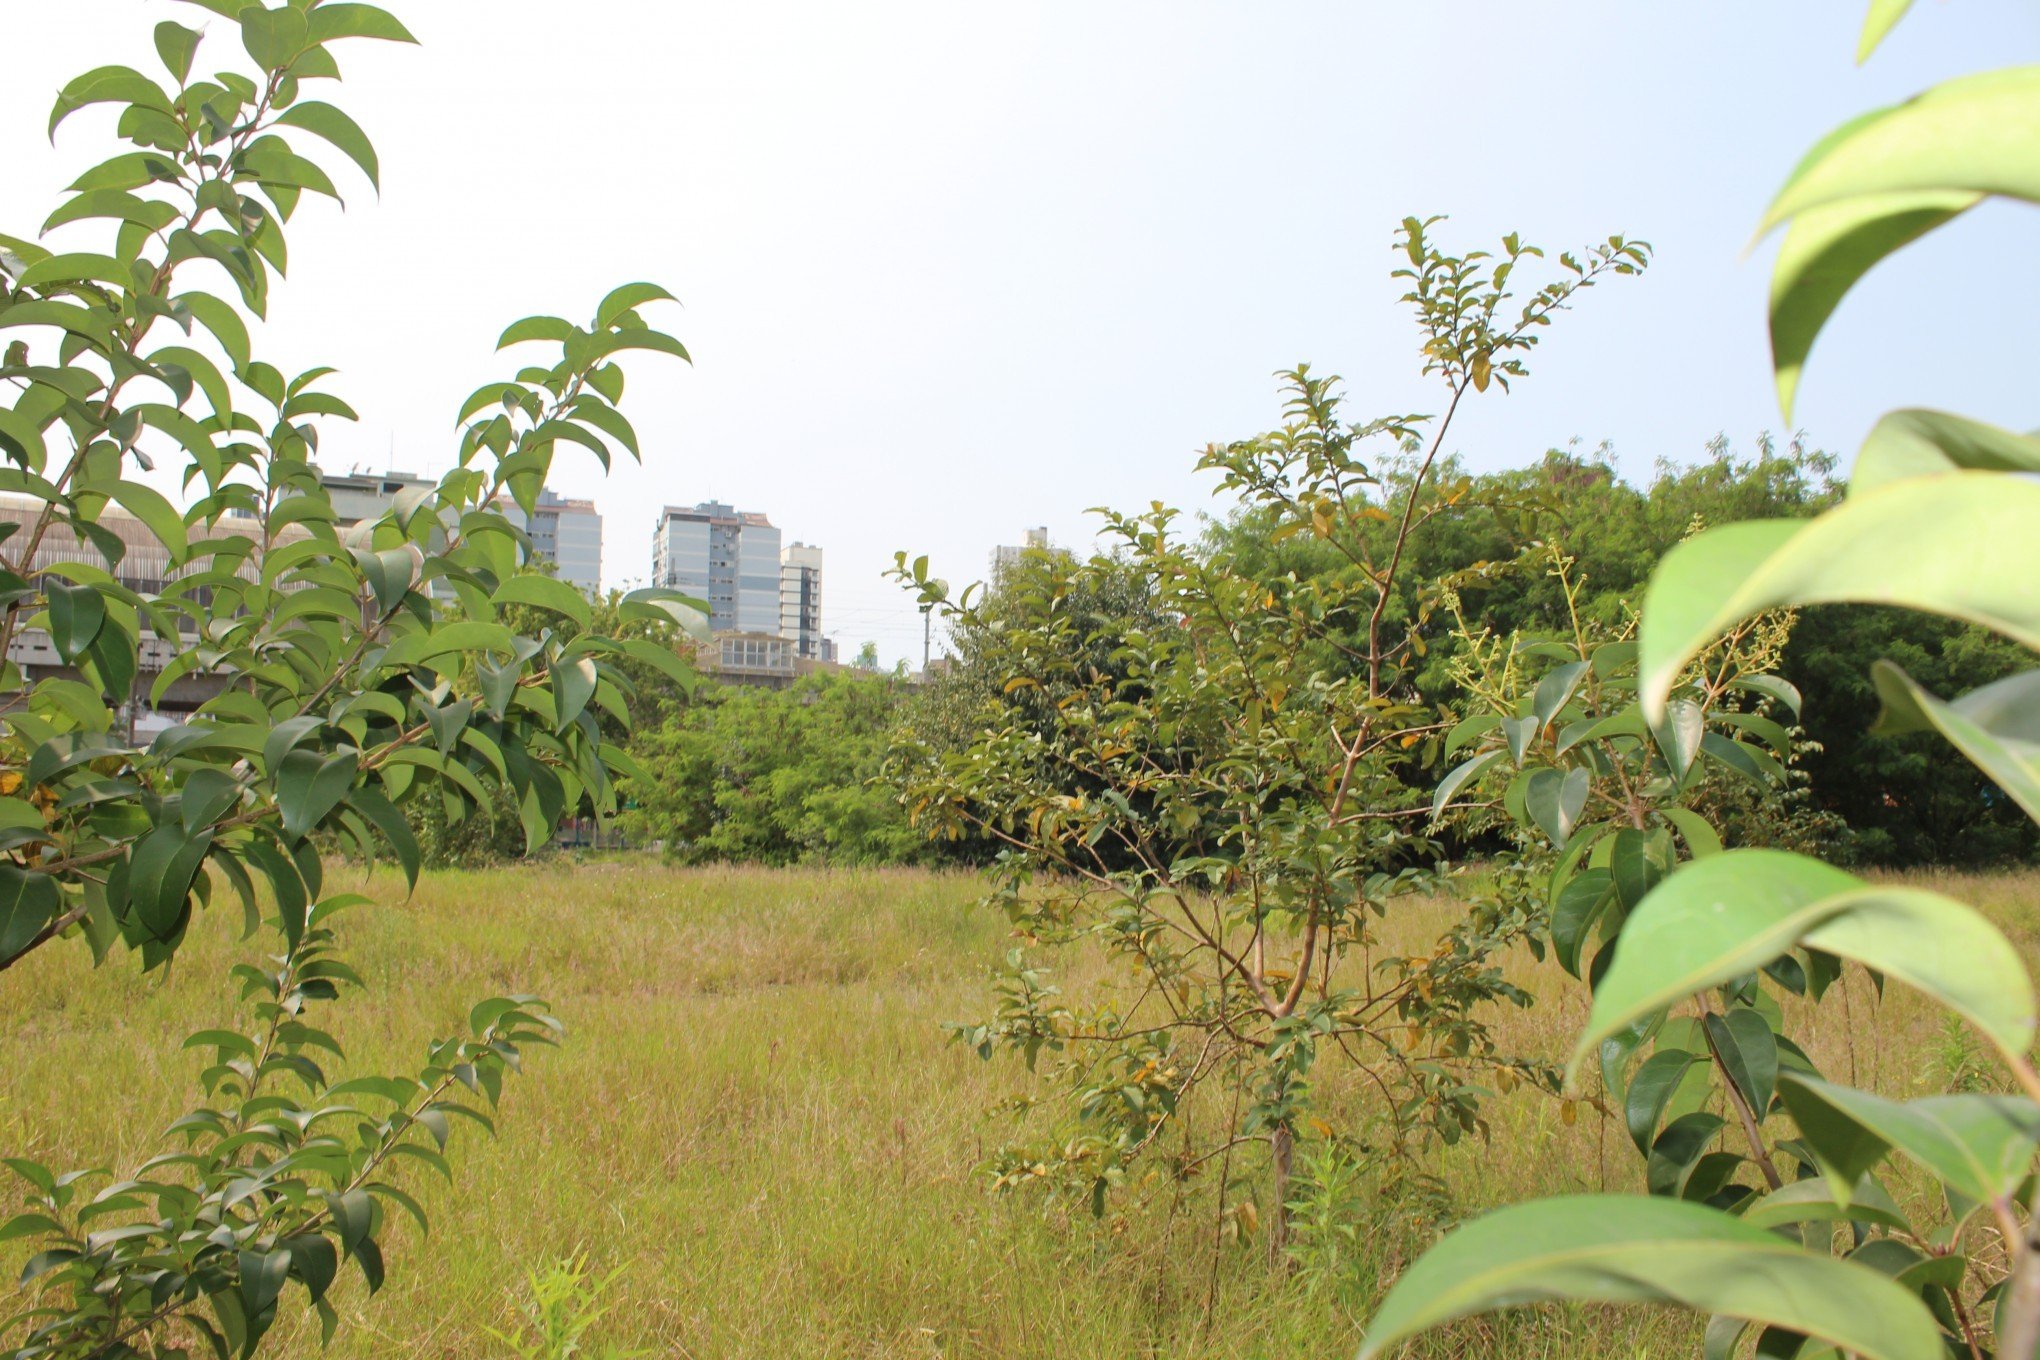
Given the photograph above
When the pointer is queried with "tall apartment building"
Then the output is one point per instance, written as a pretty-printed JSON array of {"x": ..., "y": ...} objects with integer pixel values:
[
  {"x": 724, "y": 556},
  {"x": 800, "y": 600},
  {"x": 568, "y": 533}
]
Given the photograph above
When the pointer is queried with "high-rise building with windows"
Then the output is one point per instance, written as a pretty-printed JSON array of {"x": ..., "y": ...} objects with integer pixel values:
[
  {"x": 568, "y": 533},
  {"x": 800, "y": 600},
  {"x": 729, "y": 558}
]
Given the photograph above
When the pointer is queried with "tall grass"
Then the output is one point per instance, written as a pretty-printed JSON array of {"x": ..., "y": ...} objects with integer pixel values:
[{"x": 757, "y": 1122}]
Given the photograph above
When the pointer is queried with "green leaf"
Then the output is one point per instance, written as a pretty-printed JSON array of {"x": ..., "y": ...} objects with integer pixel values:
[
  {"x": 1812, "y": 1201},
  {"x": 1997, "y": 726},
  {"x": 176, "y": 45},
  {"x": 1979, "y": 1145},
  {"x": 395, "y": 829},
  {"x": 162, "y": 519},
  {"x": 627, "y": 298},
  {"x": 1679, "y": 735},
  {"x": 1700, "y": 836},
  {"x": 1748, "y": 1052},
  {"x": 107, "y": 85},
  {"x": 1631, "y": 1249},
  {"x": 324, "y": 120},
  {"x": 1878, "y": 22},
  {"x": 1974, "y": 133},
  {"x": 1556, "y": 800},
  {"x": 28, "y": 902},
  {"x": 1555, "y": 690},
  {"x": 1677, "y": 1153},
  {"x": 573, "y": 685},
  {"x": 262, "y": 1277},
  {"x": 545, "y": 592},
  {"x": 1730, "y": 914},
  {"x": 602, "y": 346},
  {"x": 224, "y": 323},
  {"x": 80, "y": 267},
  {"x": 1918, "y": 443},
  {"x": 1958, "y": 544},
  {"x": 1650, "y": 1090},
  {"x": 207, "y": 796},
  {"x": 159, "y": 875},
  {"x": 117, "y": 204},
  {"x": 1639, "y": 860},
  {"x": 1462, "y": 776},
  {"x": 330, "y": 21},
  {"x": 1580, "y": 904},
  {"x": 1823, "y": 255},
  {"x": 274, "y": 36},
  {"x": 76, "y": 615},
  {"x": 535, "y": 328},
  {"x": 308, "y": 787}
]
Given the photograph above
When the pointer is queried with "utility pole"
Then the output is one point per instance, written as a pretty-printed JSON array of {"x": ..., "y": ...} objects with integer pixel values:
[{"x": 927, "y": 636}]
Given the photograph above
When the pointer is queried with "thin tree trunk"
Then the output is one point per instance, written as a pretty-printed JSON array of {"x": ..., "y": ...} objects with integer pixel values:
[{"x": 1282, "y": 1149}]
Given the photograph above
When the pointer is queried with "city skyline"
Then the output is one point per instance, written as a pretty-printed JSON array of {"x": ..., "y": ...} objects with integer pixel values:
[{"x": 887, "y": 310}]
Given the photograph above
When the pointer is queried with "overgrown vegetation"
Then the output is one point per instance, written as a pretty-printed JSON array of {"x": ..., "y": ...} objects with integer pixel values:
[
  {"x": 348, "y": 674},
  {"x": 801, "y": 1173}
]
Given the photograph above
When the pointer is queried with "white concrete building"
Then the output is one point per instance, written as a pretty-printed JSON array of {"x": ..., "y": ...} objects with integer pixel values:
[
  {"x": 729, "y": 558},
  {"x": 800, "y": 600}
]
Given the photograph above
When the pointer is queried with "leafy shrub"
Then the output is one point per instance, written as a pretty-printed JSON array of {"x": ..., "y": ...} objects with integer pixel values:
[{"x": 353, "y": 673}]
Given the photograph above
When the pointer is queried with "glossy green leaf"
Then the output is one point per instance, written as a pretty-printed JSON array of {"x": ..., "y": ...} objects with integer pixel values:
[
  {"x": 1730, "y": 914},
  {"x": 176, "y": 45},
  {"x": 324, "y": 120},
  {"x": 627, "y": 298},
  {"x": 1651, "y": 1090},
  {"x": 1677, "y": 1153},
  {"x": 545, "y": 592},
  {"x": 573, "y": 686},
  {"x": 1958, "y": 544},
  {"x": 1580, "y": 904},
  {"x": 535, "y": 328},
  {"x": 1555, "y": 690},
  {"x": 1813, "y": 1201},
  {"x": 107, "y": 85},
  {"x": 340, "y": 20},
  {"x": 1635, "y": 1249},
  {"x": 1974, "y": 133},
  {"x": 273, "y": 36},
  {"x": 1826, "y": 251},
  {"x": 1878, "y": 22},
  {"x": 1919, "y": 443},
  {"x": 1980, "y": 1145},
  {"x": 76, "y": 615},
  {"x": 1555, "y": 801},
  {"x": 1997, "y": 726},
  {"x": 159, "y": 875},
  {"x": 28, "y": 903},
  {"x": 1463, "y": 775},
  {"x": 1748, "y": 1051},
  {"x": 309, "y": 786}
]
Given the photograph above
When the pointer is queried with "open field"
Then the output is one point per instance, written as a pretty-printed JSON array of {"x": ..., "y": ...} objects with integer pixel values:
[{"x": 758, "y": 1120}]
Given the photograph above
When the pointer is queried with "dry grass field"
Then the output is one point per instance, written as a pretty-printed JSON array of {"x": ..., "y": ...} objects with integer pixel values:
[{"x": 759, "y": 1124}]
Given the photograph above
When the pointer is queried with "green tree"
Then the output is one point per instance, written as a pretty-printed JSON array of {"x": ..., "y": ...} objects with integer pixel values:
[
  {"x": 354, "y": 673},
  {"x": 1938, "y": 518},
  {"x": 1221, "y": 806},
  {"x": 778, "y": 776}
]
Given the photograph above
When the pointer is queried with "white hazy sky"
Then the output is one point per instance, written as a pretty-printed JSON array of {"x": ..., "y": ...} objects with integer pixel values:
[{"x": 951, "y": 269}]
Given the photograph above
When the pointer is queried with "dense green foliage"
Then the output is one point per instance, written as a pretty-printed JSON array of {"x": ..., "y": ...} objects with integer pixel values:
[
  {"x": 1199, "y": 790},
  {"x": 347, "y": 674},
  {"x": 1743, "y": 1210},
  {"x": 1880, "y": 800},
  {"x": 767, "y": 776}
]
